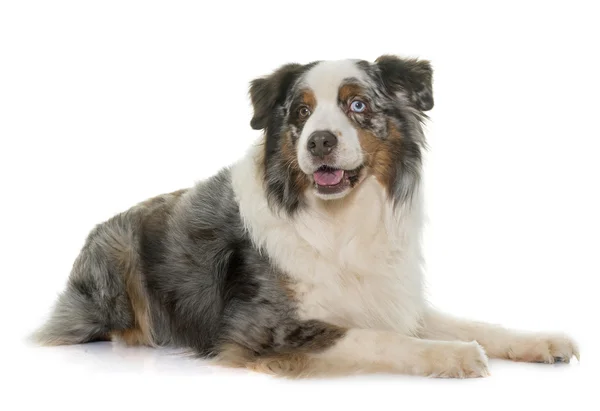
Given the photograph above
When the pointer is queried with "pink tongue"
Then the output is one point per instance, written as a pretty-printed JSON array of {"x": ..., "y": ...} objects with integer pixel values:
[{"x": 328, "y": 178}]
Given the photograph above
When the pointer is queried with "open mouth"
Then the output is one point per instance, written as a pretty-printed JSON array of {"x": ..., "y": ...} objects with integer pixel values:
[{"x": 330, "y": 180}]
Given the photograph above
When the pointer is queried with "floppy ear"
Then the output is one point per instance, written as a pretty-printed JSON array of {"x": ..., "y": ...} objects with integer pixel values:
[
  {"x": 268, "y": 92},
  {"x": 412, "y": 76}
]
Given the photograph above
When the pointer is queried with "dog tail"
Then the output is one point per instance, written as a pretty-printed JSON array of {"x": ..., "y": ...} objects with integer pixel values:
[
  {"x": 95, "y": 303},
  {"x": 74, "y": 319}
]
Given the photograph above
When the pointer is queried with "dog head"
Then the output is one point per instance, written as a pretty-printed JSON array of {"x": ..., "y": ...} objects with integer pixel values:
[{"x": 330, "y": 124}]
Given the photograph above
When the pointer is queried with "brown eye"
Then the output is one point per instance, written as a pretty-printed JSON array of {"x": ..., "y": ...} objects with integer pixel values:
[{"x": 303, "y": 112}]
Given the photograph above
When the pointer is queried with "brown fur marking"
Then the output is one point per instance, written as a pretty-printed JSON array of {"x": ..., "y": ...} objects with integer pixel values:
[
  {"x": 347, "y": 92},
  {"x": 286, "y": 365},
  {"x": 381, "y": 154},
  {"x": 140, "y": 333},
  {"x": 288, "y": 287},
  {"x": 308, "y": 98},
  {"x": 131, "y": 337},
  {"x": 288, "y": 150}
]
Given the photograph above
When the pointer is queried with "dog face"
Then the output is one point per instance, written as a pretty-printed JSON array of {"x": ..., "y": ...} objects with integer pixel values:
[{"x": 330, "y": 124}]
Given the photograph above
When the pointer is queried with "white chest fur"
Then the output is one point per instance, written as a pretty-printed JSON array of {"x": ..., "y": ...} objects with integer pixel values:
[{"x": 355, "y": 264}]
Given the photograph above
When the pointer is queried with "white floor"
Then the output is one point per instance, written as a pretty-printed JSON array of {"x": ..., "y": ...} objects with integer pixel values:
[{"x": 110, "y": 376}]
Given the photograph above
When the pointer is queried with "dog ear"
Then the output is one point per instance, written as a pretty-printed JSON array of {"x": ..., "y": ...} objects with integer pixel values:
[
  {"x": 411, "y": 76},
  {"x": 268, "y": 92}
]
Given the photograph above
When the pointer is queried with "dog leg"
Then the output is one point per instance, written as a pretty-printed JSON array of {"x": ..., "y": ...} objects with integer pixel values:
[
  {"x": 354, "y": 351},
  {"x": 374, "y": 350},
  {"x": 500, "y": 342}
]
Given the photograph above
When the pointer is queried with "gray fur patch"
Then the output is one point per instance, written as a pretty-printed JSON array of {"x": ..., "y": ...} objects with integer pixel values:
[{"x": 206, "y": 283}]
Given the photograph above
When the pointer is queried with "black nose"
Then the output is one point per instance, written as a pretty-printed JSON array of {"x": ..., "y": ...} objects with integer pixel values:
[{"x": 321, "y": 143}]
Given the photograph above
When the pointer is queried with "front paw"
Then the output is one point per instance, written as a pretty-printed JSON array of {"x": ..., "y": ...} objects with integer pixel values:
[
  {"x": 456, "y": 360},
  {"x": 544, "y": 348}
]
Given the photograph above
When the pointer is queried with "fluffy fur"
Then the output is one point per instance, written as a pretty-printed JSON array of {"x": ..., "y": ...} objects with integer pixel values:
[{"x": 293, "y": 261}]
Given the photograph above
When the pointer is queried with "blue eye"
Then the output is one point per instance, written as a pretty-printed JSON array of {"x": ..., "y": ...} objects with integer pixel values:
[{"x": 358, "y": 106}]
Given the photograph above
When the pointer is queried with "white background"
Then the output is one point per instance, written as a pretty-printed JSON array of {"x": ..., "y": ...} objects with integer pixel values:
[{"x": 103, "y": 104}]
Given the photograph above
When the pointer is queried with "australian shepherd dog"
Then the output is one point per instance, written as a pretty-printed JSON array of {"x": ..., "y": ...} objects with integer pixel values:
[{"x": 302, "y": 258}]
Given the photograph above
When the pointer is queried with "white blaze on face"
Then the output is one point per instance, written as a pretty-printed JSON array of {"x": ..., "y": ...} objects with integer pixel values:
[{"x": 324, "y": 80}]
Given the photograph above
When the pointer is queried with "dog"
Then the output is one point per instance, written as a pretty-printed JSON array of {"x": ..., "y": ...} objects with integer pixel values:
[{"x": 302, "y": 258}]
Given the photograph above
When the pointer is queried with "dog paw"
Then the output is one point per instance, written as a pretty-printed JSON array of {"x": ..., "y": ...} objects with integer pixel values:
[
  {"x": 457, "y": 360},
  {"x": 544, "y": 348}
]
